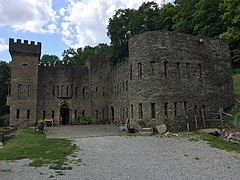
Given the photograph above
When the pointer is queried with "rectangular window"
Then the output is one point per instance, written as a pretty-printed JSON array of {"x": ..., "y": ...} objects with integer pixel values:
[
  {"x": 53, "y": 114},
  {"x": 175, "y": 109},
  {"x": 187, "y": 70},
  {"x": 29, "y": 90},
  {"x": 103, "y": 91},
  {"x": 83, "y": 113},
  {"x": 166, "y": 110},
  {"x": 18, "y": 113},
  {"x": 123, "y": 84},
  {"x": 53, "y": 90},
  {"x": 44, "y": 89},
  {"x": 75, "y": 114},
  {"x": 76, "y": 91},
  {"x": 139, "y": 70},
  {"x": 103, "y": 114},
  {"x": 96, "y": 114},
  {"x": 131, "y": 111},
  {"x": 83, "y": 92},
  {"x": 28, "y": 114},
  {"x": 19, "y": 89},
  {"x": 131, "y": 72},
  {"x": 61, "y": 90},
  {"x": 44, "y": 114},
  {"x": 165, "y": 69},
  {"x": 200, "y": 70},
  {"x": 58, "y": 90},
  {"x": 67, "y": 91},
  {"x": 126, "y": 85},
  {"x": 96, "y": 89},
  {"x": 152, "y": 68},
  {"x": 140, "y": 111},
  {"x": 153, "y": 111},
  {"x": 178, "y": 69}
]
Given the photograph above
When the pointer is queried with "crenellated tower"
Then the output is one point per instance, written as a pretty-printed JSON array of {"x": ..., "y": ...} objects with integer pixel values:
[{"x": 24, "y": 81}]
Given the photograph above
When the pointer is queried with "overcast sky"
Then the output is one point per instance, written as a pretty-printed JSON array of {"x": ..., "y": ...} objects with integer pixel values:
[{"x": 59, "y": 24}]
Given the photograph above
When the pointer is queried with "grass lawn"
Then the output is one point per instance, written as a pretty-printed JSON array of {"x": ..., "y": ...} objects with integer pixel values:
[
  {"x": 213, "y": 141},
  {"x": 35, "y": 146}
]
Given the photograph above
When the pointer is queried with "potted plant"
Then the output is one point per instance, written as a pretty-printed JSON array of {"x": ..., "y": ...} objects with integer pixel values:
[{"x": 40, "y": 125}]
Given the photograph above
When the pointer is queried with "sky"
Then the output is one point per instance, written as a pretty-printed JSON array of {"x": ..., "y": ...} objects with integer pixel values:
[{"x": 59, "y": 24}]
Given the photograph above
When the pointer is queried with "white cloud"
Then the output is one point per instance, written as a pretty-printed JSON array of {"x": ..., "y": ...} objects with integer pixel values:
[
  {"x": 28, "y": 15},
  {"x": 84, "y": 22},
  {"x": 3, "y": 45}
]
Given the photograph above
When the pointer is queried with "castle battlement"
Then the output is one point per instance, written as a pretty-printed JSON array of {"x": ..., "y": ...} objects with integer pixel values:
[{"x": 24, "y": 47}]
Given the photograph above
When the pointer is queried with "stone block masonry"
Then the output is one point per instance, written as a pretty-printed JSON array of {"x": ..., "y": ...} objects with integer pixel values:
[{"x": 170, "y": 78}]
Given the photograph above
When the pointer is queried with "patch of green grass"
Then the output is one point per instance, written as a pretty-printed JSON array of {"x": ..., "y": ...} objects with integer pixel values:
[
  {"x": 213, "y": 141},
  {"x": 35, "y": 146}
]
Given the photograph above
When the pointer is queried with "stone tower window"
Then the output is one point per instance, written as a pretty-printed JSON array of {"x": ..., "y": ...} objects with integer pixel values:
[
  {"x": 18, "y": 113},
  {"x": 44, "y": 114},
  {"x": 83, "y": 92},
  {"x": 19, "y": 89},
  {"x": 103, "y": 91},
  {"x": 140, "y": 111},
  {"x": 153, "y": 111},
  {"x": 53, "y": 114},
  {"x": 29, "y": 90},
  {"x": 96, "y": 89},
  {"x": 67, "y": 91},
  {"x": 83, "y": 113},
  {"x": 126, "y": 85},
  {"x": 75, "y": 114},
  {"x": 178, "y": 69},
  {"x": 76, "y": 91},
  {"x": 96, "y": 114},
  {"x": 165, "y": 69},
  {"x": 58, "y": 90},
  {"x": 175, "y": 109},
  {"x": 139, "y": 70},
  {"x": 152, "y": 68},
  {"x": 24, "y": 66},
  {"x": 200, "y": 70},
  {"x": 28, "y": 114},
  {"x": 103, "y": 114},
  {"x": 62, "y": 90},
  {"x": 53, "y": 90},
  {"x": 131, "y": 72},
  {"x": 123, "y": 86},
  {"x": 131, "y": 111},
  {"x": 166, "y": 110}
]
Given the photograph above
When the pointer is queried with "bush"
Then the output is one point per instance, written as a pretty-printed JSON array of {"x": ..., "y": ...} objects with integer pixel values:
[
  {"x": 4, "y": 120},
  {"x": 40, "y": 122},
  {"x": 83, "y": 120}
]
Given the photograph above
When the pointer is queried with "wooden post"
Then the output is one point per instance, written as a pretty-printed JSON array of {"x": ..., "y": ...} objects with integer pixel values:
[
  {"x": 196, "y": 124},
  {"x": 188, "y": 129},
  {"x": 221, "y": 117}
]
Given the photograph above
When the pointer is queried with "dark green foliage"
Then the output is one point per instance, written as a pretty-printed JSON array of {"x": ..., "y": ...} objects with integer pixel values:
[
  {"x": 83, "y": 120},
  {"x": 46, "y": 58},
  {"x": 4, "y": 120}
]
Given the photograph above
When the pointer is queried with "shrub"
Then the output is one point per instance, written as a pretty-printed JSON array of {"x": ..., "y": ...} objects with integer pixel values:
[
  {"x": 4, "y": 120},
  {"x": 40, "y": 122},
  {"x": 83, "y": 120}
]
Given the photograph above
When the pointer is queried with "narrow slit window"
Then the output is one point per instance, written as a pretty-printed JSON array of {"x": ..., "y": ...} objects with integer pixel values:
[
  {"x": 178, "y": 69},
  {"x": 103, "y": 114},
  {"x": 166, "y": 110},
  {"x": 126, "y": 85},
  {"x": 103, "y": 92},
  {"x": 123, "y": 86},
  {"x": 83, "y": 92},
  {"x": 44, "y": 114},
  {"x": 96, "y": 114},
  {"x": 175, "y": 109},
  {"x": 140, "y": 111},
  {"x": 28, "y": 114},
  {"x": 53, "y": 114},
  {"x": 153, "y": 111},
  {"x": 67, "y": 91},
  {"x": 96, "y": 89},
  {"x": 18, "y": 114},
  {"x": 139, "y": 70},
  {"x": 152, "y": 68},
  {"x": 76, "y": 91},
  {"x": 62, "y": 90},
  {"x": 200, "y": 70},
  {"x": 165, "y": 69},
  {"x": 195, "y": 110},
  {"x": 83, "y": 113},
  {"x": 58, "y": 90},
  {"x": 53, "y": 90},
  {"x": 131, "y": 72},
  {"x": 131, "y": 111},
  {"x": 75, "y": 114}
]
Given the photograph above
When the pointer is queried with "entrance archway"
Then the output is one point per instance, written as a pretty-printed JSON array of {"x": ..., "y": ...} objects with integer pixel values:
[{"x": 64, "y": 112}]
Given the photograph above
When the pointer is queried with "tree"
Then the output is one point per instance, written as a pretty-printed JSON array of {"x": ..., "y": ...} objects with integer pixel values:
[
  {"x": 46, "y": 58},
  {"x": 207, "y": 18},
  {"x": 4, "y": 78},
  {"x": 231, "y": 18}
]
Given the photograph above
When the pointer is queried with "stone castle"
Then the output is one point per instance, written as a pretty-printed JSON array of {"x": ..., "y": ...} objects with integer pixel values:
[{"x": 170, "y": 78}]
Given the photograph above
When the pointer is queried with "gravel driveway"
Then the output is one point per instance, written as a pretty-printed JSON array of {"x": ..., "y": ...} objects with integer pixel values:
[{"x": 116, "y": 157}]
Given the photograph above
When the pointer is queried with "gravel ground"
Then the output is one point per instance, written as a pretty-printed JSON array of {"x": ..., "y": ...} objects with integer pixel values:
[{"x": 116, "y": 157}]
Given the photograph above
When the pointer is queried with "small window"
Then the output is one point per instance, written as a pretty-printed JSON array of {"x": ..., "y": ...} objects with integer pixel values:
[
  {"x": 152, "y": 68},
  {"x": 58, "y": 90},
  {"x": 62, "y": 88},
  {"x": 126, "y": 85},
  {"x": 96, "y": 114},
  {"x": 76, "y": 91},
  {"x": 175, "y": 109},
  {"x": 28, "y": 114},
  {"x": 103, "y": 114},
  {"x": 53, "y": 91},
  {"x": 83, "y": 113},
  {"x": 131, "y": 72},
  {"x": 166, "y": 110},
  {"x": 44, "y": 114},
  {"x": 139, "y": 70},
  {"x": 153, "y": 111},
  {"x": 75, "y": 114},
  {"x": 67, "y": 91},
  {"x": 83, "y": 92},
  {"x": 195, "y": 110},
  {"x": 53, "y": 114},
  {"x": 18, "y": 114},
  {"x": 178, "y": 69},
  {"x": 24, "y": 66},
  {"x": 131, "y": 111},
  {"x": 123, "y": 84},
  {"x": 103, "y": 92},
  {"x": 96, "y": 89},
  {"x": 200, "y": 70},
  {"x": 140, "y": 111},
  {"x": 165, "y": 69}
]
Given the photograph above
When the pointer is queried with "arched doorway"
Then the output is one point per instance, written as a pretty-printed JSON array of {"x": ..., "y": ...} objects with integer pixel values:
[
  {"x": 112, "y": 113},
  {"x": 64, "y": 112}
]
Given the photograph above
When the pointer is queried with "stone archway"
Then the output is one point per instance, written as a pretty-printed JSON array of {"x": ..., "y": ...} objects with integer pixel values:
[{"x": 64, "y": 112}]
